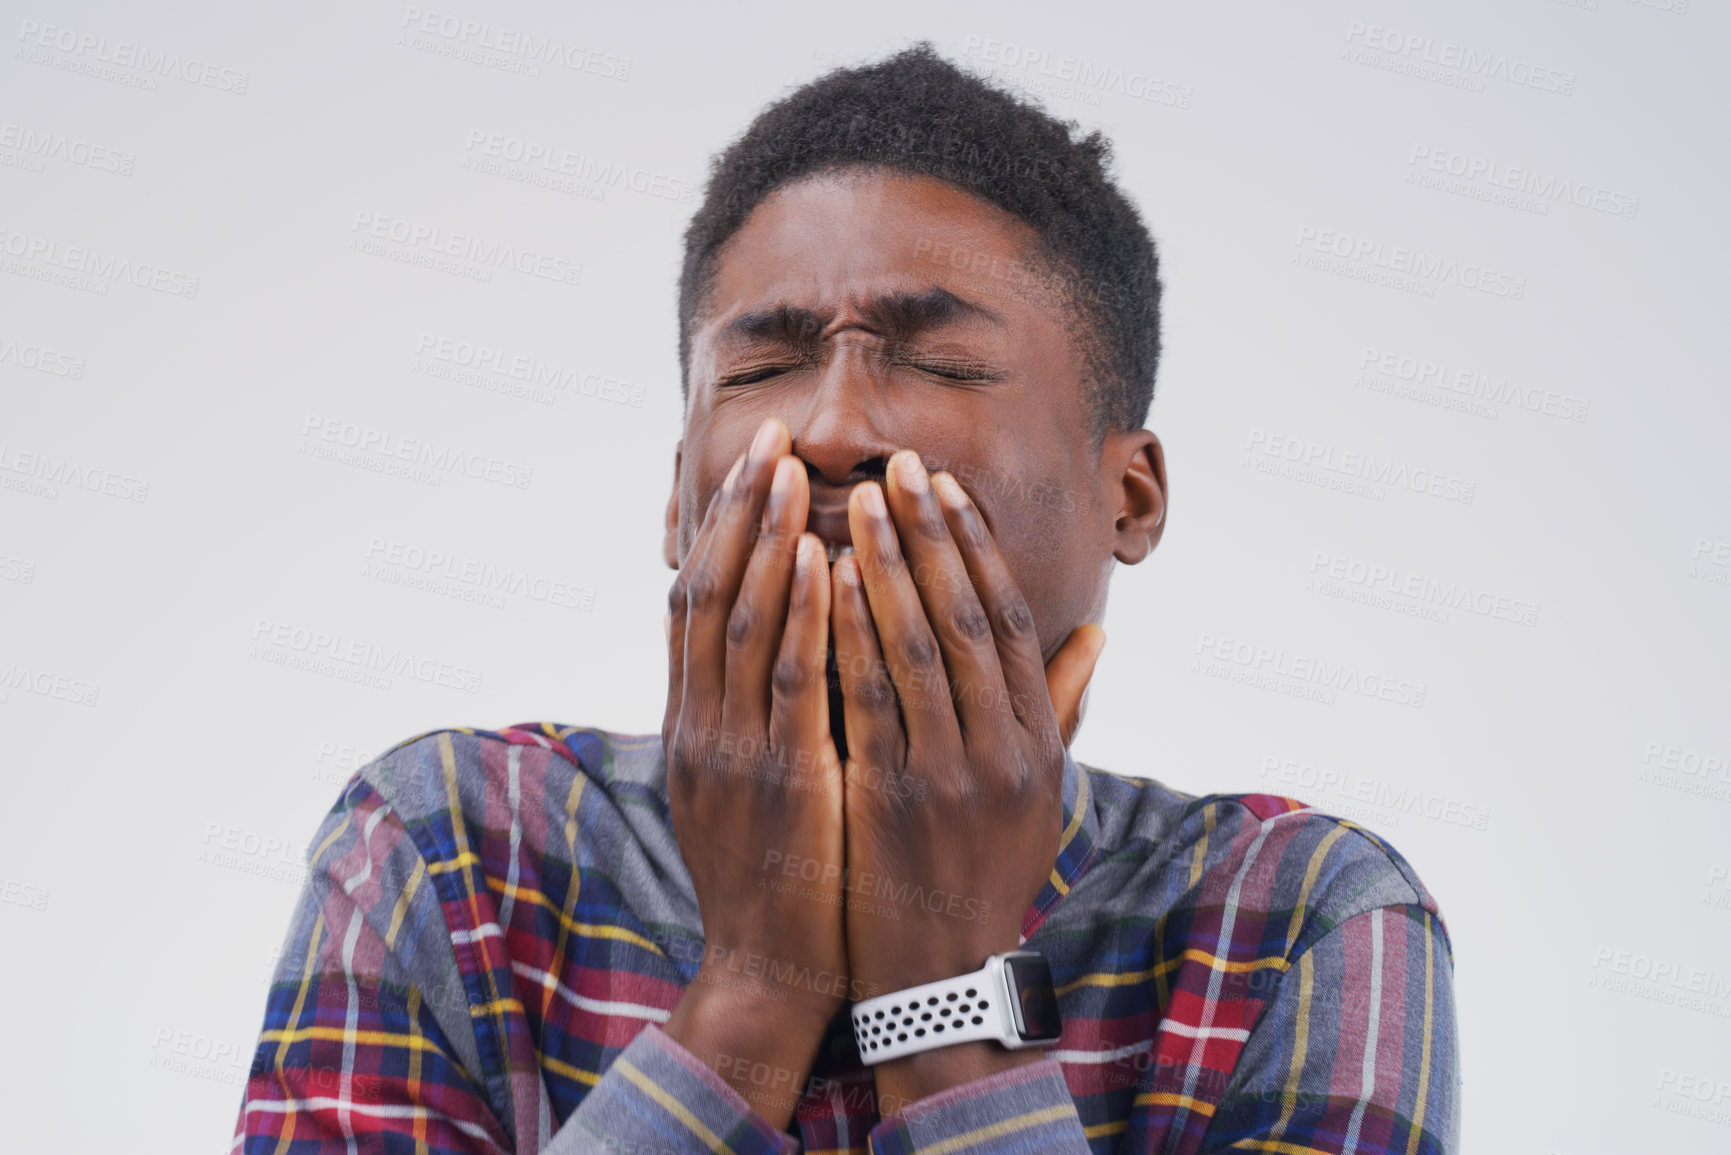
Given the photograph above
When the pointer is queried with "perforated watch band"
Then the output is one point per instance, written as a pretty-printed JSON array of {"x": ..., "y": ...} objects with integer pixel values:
[{"x": 965, "y": 1009}]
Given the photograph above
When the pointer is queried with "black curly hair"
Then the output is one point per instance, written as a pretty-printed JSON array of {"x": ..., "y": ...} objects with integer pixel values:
[{"x": 915, "y": 112}]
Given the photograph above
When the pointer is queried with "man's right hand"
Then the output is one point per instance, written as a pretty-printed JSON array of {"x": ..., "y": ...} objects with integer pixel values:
[{"x": 755, "y": 782}]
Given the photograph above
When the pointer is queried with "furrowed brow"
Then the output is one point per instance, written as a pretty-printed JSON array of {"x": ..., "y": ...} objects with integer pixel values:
[
  {"x": 904, "y": 315},
  {"x": 782, "y": 324}
]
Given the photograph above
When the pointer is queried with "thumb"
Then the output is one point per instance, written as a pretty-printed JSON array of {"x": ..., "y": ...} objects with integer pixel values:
[{"x": 1068, "y": 673}]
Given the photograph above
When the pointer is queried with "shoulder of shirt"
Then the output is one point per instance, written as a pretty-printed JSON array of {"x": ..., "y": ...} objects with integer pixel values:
[
  {"x": 612, "y": 760},
  {"x": 1333, "y": 867}
]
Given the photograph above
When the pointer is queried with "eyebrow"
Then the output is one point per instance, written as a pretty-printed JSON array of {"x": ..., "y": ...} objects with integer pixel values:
[{"x": 899, "y": 315}]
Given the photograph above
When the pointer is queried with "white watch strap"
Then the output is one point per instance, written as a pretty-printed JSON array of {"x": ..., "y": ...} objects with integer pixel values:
[{"x": 966, "y": 1009}]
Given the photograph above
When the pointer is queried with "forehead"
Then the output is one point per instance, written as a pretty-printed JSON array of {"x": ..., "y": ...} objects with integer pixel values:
[{"x": 839, "y": 239}]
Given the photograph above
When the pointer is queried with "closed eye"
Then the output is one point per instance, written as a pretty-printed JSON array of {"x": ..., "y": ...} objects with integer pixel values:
[
  {"x": 752, "y": 376},
  {"x": 957, "y": 370}
]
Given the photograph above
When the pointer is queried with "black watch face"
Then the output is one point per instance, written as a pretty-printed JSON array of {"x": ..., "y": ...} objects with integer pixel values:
[{"x": 1035, "y": 1005}]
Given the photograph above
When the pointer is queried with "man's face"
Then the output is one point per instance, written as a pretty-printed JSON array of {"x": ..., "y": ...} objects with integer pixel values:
[{"x": 873, "y": 311}]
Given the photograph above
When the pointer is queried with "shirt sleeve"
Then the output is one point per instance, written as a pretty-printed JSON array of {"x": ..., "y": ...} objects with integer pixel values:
[
  {"x": 659, "y": 1097},
  {"x": 358, "y": 1051},
  {"x": 373, "y": 1042},
  {"x": 1025, "y": 1109},
  {"x": 1357, "y": 1048}
]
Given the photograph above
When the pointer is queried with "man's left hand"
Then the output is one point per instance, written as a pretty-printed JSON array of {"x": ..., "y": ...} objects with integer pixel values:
[{"x": 955, "y": 733}]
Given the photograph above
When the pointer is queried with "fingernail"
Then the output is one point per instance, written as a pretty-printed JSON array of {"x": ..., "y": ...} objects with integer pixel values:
[
  {"x": 733, "y": 474},
  {"x": 764, "y": 441},
  {"x": 806, "y": 558},
  {"x": 871, "y": 499},
  {"x": 781, "y": 483},
  {"x": 910, "y": 472}
]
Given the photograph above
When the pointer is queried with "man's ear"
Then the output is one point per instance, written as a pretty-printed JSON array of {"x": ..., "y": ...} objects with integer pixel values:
[
  {"x": 670, "y": 547},
  {"x": 1139, "y": 487}
]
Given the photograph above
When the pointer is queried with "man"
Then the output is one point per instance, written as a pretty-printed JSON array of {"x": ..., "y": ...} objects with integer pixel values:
[{"x": 859, "y": 836}]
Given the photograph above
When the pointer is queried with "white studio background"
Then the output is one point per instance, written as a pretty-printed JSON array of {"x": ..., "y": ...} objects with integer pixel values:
[{"x": 1441, "y": 400}]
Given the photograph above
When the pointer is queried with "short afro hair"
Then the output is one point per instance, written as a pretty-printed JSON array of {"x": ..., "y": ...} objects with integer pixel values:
[{"x": 917, "y": 113}]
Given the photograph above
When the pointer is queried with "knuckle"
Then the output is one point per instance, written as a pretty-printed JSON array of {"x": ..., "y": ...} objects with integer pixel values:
[
  {"x": 884, "y": 754},
  {"x": 740, "y": 624},
  {"x": 930, "y": 526},
  {"x": 1015, "y": 620},
  {"x": 702, "y": 590},
  {"x": 676, "y": 595},
  {"x": 974, "y": 534},
  {"x": 970, "y": 622},
  {"x": 790, "y": 675},
  {"x": 877, "y": 694},
  {"x": 920, "y": 651}
]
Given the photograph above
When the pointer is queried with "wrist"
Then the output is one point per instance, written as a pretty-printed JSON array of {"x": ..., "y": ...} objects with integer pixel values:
[
  {"x": 760, "y": 1045},
  {"x": 903, "y": 1082}
]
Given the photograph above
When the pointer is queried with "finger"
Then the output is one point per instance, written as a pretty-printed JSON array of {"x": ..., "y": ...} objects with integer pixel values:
[
  {"x": 872, "y": 722},
  {"x": 717, "y": 567},
  {"x": 675, "y": 620},
  {"x": 1013, "y": 630},
  {"x": 799, "y": 715},
  {"x": 946, "y": 591},
  {"x": 910, "y": 651},
  {"x": 755, "y": 624},
  {"x": 1068, "y": 674}
]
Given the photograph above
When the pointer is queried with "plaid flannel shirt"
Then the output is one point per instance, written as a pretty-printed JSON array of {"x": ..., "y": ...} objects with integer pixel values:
[{"x": 494, "y": 924}]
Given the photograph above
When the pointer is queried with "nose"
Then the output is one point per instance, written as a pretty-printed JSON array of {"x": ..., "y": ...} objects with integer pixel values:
[{"x": 844, "y": 434}]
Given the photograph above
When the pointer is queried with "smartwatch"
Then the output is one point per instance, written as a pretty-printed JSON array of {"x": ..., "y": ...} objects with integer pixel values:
[{"x": 1009, "y": 1001}]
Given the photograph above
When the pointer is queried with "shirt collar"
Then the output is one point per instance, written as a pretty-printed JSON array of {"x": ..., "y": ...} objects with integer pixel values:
[{"x": 1076, "y": 844}]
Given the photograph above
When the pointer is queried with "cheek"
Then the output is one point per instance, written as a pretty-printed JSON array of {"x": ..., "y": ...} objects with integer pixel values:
[{"x": 1055, "y": 556}]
